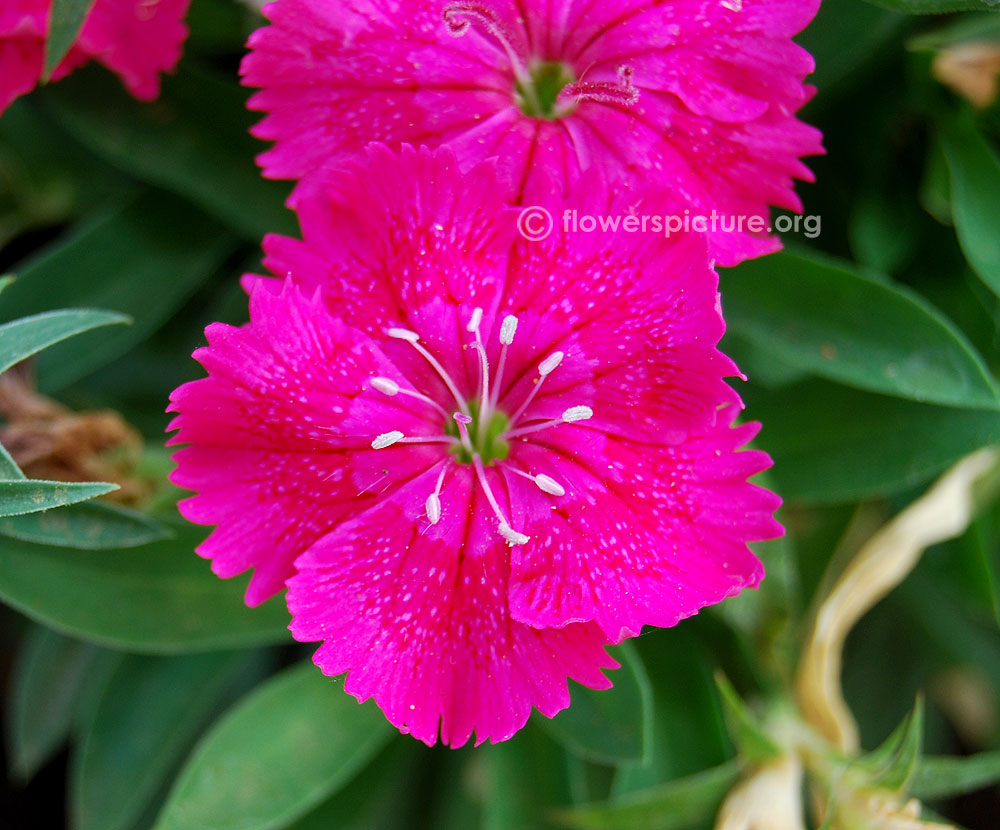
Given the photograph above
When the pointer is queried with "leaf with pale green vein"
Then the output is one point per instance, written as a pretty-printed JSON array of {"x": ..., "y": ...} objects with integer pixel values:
[
  {"x": 841, "y": 325},
  {"x": 278, "y": 753},
  {"x": 156, "y": 598},
  {"x": 65, "y": 21},
  {"x": 944, "y": 777}
]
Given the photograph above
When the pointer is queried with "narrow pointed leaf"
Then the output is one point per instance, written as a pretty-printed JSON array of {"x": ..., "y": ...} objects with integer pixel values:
[
  {"x": 9, "y": 471},
  {"x": 30, "y": 496},
  {"x": 753, "y": 743},
  {"x": 277, "y": 754},
  {"x": 943, "y": 777},
  {"x": 684, "y": 804},
  {"x": 22, "y": 338},
  {"x": 65, "y": 21}
]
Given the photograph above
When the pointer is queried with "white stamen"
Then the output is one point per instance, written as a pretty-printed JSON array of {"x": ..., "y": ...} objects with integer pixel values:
[
  {"x": 549, "y": 485},
  {"x": 512, "y": 536},
  {"x": 577, "y": 413},
  {"x": 508, "y": 329},
  {"x": 403, "y": 334},
  {"x": 549, "y": 364},
  {"x": 476, "y": 319},
  {"x": 385, "y": 385},
  {"x": 386, "y": 439},
  {"x": 433, "y": 508}
]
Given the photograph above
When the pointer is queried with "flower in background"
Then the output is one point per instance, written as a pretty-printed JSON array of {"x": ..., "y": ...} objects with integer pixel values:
[
  {"x": 696, "y": 97},
  {"x": 136, "y": 39},
  {"x": 476, "y": 460}
]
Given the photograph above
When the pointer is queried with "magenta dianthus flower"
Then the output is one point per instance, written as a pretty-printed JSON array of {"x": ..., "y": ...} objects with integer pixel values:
[
  {"x": 476, "y": 460},
  {"x": 136, "y": 39},
  {"x": 696, "y": 97}
]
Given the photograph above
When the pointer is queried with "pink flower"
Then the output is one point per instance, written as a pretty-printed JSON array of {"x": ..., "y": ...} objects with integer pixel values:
[
  {"x": 136, "y": 39},
  {"x": 476, "y": 460},
  {"x": 693, "y": 96}
]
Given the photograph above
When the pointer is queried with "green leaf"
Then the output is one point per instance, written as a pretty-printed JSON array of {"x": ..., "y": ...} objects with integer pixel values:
[
  {"x": 145, "y": 258},
  {"x": 526, "y": 780},
  {"x": 894, "y": 762},
  {"x": 65, "y": 21},
  {"x": 156, "y": 598},
  {"x": 9, "y": 471},
  {"x": 30, "y": 495},
  {"x": 943, "y": 777},
  {"x": 48, "y": 676},
  {"x": 611, "y": 725},
  {"x": 148, "y": 717},
  {"x": 753, "y": 743},
  {"x": 193, "y": 141},
  {"x": 846, "y": 327},
  {"x": 936, "y": 6},
  {"x": 278, "y": 753},
  {"x": 682, "y": 804},
  {"x": 88, "y": 526},
  {"x": 831, "y": 444},
  {"x": 22, "y": 338},
  {"x": 975, "y": 195}
]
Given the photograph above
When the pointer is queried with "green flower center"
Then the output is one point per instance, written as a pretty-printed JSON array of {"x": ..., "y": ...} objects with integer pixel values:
[
  {"x": 486, "y": 440},
  {"x": 537, "y": 97}
]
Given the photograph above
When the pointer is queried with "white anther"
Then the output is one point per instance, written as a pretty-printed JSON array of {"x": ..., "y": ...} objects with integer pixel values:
[
  {"x": 386, "y": 439},
  {"x": 385, "y": 386},
  {"x": 549, "y": 485},
  {"x": 477, "y": 318},
  {"x": 512, "y": 536},
  {"x": 577, "y": 413},
  {"x": 508, "y": 329},
  {"x": 549, "y": 364},
  {"x": 433, "y": 508},
  {"x": 403, "y": 334}
]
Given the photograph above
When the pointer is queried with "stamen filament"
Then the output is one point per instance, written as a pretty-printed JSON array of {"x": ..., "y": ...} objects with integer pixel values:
[
  {"x": 571, "y": 415},
  {"x": 622, "y": 93},
  {"x": 512, "y": 536},
  {"x": 507, "y": 331},
  {"x": 459, "y": 17},
  {"x": 545, "y": 368},
  {"x": 545, "y": 483},
  {"x": 413, "y": 339},
  {"x": 389, "y": 387},
  {"x": 433, "y": 503}
]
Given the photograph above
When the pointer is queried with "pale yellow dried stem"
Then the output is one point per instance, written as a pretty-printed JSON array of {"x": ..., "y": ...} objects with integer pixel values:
[{"x": 879, "y": 566}]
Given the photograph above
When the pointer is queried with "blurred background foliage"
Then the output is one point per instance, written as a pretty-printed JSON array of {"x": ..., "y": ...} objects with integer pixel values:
[{"x": 140, "y": 692}]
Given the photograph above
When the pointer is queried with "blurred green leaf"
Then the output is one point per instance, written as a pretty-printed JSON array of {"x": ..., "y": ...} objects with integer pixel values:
[
  {"x": 149, "y": 715},
  {"x": 610, "y": 725},
  {"x": 683, "y": 804},
  {"x": 9, "y": 471},
  {"x": 942, "y": 777},
  {"x": 89, "y": 526},
  {"x": 48, "y": 675},
  {"x": 192, "y": 141},
  {"x": 893, "y": 763},
  {"x": 831, "y": 444},
  {"x": 752, "y": 743},
  {"x": 275, "y": 755},
  {"x": 23, "y": 338},
  {"x": 28, "y": 495},
  {"x": 975, "y": 196},
  {"x": 156, "y": 598},
  {"x": 144, "y": 258},
  {"x": 936, "y": 6},
  {"x": 65, "y": 21},
  {"x": 526, "y": 779},
  {"x": 846, "y": 327}
]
